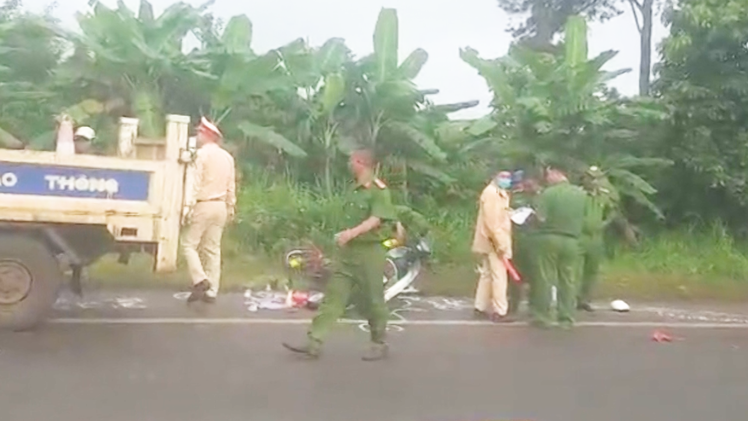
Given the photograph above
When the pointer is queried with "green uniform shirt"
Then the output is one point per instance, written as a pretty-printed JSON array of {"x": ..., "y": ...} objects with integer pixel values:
[
  {"x": 594, "y": 216},
  {"x": 561, "y": 209},
  {"x": 373, "y": 199}
]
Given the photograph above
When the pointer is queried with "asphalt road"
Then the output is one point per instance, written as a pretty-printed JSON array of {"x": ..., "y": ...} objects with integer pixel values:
[{"x": 164, "y": 372}]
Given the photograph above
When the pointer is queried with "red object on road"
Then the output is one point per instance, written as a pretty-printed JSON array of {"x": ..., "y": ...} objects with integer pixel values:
[
  {"x": 660, "y": 336},
  {"x": 299, "y": 298},
  {"x": 513, "y": 273}
]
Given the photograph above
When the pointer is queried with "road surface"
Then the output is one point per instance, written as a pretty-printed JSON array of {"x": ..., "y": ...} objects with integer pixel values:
[{"x": 85, "y": 366}]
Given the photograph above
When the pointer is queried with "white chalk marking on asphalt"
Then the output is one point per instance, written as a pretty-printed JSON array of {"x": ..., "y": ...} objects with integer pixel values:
[{"x": 258, "y": 321}]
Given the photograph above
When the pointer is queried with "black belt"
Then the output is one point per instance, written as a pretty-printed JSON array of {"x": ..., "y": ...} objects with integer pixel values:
[{"x": 222, "y": 199}]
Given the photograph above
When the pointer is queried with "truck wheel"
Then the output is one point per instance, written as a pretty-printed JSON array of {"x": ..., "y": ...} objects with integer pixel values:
[{"x": 30, "y": 278}]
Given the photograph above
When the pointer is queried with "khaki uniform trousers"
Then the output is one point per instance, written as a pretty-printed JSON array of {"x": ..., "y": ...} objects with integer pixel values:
[
  {"x": 490, "y": 296},
  {"x": 201, "y": 243}
]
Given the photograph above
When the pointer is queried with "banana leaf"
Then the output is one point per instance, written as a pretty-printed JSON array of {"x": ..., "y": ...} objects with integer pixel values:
[
  {"x": 386, "y": 36},
  {"x": 269, "y": 136},
  {"x": 412, "y": 65}
]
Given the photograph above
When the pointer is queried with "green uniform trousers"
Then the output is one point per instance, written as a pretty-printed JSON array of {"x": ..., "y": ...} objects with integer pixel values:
[
  {"x": 593, "y": 250},
  {"x": 359, "y": 268},
  {"x": 522, "y": 259},
  {"x": 556, "y": 263}
]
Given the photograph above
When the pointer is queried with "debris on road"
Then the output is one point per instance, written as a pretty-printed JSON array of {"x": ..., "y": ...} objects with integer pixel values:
[
  {"x": 662, "y": 336},
  {"x": 620, "y": 306},
  {"x": 280, "y": 300},
  {"x": 69, "y": 302}
]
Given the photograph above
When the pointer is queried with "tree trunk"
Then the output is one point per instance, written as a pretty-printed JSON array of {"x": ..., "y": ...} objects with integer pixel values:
[
  {"x": 645, "y": 48},
  {"x": 544, "y": 30},
  {"x": 328, "y": 173}
]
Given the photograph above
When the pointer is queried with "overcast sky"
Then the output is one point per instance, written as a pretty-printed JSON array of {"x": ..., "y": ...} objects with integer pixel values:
[{"x": 441, "y": 27}]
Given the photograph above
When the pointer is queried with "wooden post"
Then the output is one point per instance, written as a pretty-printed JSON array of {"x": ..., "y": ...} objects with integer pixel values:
[
  {"x": 172, "y": 193},
  {"x": 128, "y": 132}
]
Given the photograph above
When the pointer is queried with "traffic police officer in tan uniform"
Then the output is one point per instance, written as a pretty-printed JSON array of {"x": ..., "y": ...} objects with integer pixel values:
[
  {"x": 214, "y": 202},
  {"x": 493, "y": 242}
]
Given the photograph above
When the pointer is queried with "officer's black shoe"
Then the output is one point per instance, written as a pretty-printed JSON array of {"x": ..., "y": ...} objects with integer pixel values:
[
  {"x": 198, "y": 291},
  {"x": 378, "y": 351},
  {"x": 479, "y": 314},
  {"x": 497, "y": 318},
  {"x": 307, "y": 350},
  {"x": 586, "y": 307}
]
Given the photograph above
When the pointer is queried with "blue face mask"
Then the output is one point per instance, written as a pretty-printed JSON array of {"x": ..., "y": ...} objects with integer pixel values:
[{"x": 503, "y": 183}]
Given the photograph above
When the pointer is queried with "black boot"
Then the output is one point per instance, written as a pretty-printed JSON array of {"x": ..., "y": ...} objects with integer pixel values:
[
  {"x": 309, "y": 349},
  {"x": 198, "y": 291},
  {"x": 585, "y": 306},
  {"x": 377, "y": 351},
  {"x": 477, "y": 314}
]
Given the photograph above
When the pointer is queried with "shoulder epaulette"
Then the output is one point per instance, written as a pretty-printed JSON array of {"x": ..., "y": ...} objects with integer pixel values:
[{"x": 379, "y": 183}]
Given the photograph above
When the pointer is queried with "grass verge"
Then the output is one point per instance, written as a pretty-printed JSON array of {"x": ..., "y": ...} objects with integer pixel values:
[{"x": 685, "y": 265}]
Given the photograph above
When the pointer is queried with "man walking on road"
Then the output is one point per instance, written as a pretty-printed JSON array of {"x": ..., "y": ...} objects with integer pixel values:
[
  {"x": 560, "y": 214},
  {"x": 493, "y": 242},
  {"x": 214, "y": 202},
  {"x": 359, "y": 262},
  {"x": 592, "y": 242}
]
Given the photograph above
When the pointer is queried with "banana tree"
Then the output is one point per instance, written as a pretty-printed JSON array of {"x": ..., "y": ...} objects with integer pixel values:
[
  {"x": 318, "y": 74},
  {"x": 554, "y": 109},
  {"x": 284, "y": 98},
  {"x": 243, "y": 89},
  {"x": 383, "y": 108},
  {"x": 28, "y": 53},
  {"x": 127, "y": 57}
]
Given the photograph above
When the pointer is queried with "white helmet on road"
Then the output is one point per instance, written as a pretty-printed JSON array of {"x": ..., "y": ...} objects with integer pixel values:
[
  {"x": 85, "y": 132},
  {"x": 620, "y": 306}
]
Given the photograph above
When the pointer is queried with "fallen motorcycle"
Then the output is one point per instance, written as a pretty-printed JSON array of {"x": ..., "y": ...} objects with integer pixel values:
[{"x": 403, "y": 264}]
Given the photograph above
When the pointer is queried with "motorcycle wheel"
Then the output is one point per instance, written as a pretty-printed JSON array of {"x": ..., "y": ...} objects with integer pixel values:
[{"x": 391, "y": 271}]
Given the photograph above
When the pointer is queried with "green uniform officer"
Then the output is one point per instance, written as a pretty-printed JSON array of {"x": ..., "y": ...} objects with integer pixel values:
[
  {"x": 359, "y": 263},
  {"x": 559, "y": 217},
  {"x": 522, "y": 245},
  {"x": 591, "y": 241}
]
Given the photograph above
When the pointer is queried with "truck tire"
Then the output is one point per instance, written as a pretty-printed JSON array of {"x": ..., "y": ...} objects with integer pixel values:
[{"x": 30, "y": 278}]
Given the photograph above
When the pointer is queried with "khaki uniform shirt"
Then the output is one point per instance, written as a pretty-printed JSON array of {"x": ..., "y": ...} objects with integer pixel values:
[
  {"x": 215, "y": 175},
  {"x": 493, "y": 230}
]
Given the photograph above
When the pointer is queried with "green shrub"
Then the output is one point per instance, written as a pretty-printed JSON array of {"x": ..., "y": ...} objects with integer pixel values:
[
  {"x": 277, "y": 214},
  {"x": 274, "y": 215},
  {"x": 708, "y": 253}
]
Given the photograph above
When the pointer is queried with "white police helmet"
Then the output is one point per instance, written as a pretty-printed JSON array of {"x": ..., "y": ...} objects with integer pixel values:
[{"x": 85, "y": 132}]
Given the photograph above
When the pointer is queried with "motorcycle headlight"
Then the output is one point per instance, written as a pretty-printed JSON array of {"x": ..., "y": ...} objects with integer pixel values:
[
  {"x": 390, "y": 243},
  {"x": 295, "y": 262}
]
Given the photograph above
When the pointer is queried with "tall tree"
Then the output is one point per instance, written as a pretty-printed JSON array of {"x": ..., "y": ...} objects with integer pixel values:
[
  {"x": 642, "y": 10},
  {"x": 702, "y": 77},
  {"x": 548, "y": 17}
]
